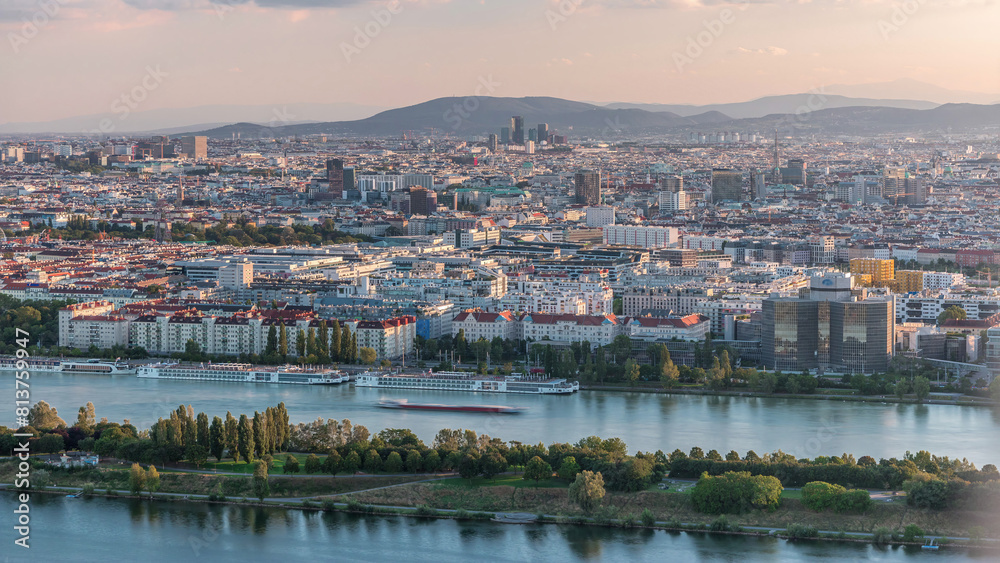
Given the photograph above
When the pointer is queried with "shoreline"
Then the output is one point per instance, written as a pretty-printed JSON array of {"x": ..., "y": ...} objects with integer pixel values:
[
  {"x": 760, "y": 395},
  {"x": 317, "y": 504}
]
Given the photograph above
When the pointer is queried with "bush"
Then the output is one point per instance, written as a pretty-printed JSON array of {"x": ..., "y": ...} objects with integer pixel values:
[
  {"x": 328, "y": 505},
  {"x": 306, "y": 503},
  {"x": 462, "y": 514},
  {"x": 912, "y": 533},
  {"x": 628, "y": 521},
  {"x": 88, "y": 489},
  {"x": 648, "y": 518},
  {"x": 354, "y": 506},
  {"x": 854, "y": 500},
  {"x": 736, "y": 492},
  {"x": 720, "y": 524},
  {"x": 820, "y": 495},
  {"x": 424, "y": 510},
  {"x": 883, "y": 536},
  {"x": 801, "y": 531}
]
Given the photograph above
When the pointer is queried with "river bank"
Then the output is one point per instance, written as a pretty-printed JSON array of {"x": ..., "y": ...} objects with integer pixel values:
[
  {"x": 965, "y": 400},
  {"x": 714, "y": 528}
]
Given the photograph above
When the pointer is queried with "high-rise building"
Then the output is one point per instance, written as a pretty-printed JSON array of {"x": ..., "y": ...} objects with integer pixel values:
[
  {"x": 532, "y": 134},
  {"x": 758, "y": 185},
  {"x": 672, "y": 183},
  {"x": 195, "y": 147},
  {"x": 505, "y": 135},
  {"x": 862, "y": 334},
  {"x": 588, "y": 187},
  {"x": 727, "y": 185},
  {"x": 335, "y": 176},
  {"x": 543, "y": 132},
  {"x": 795, "y": 173},
  {"x": 789, "y": 333},
  {"x": 422, "y": 201},
  {"x": 517, "y": 129},
  {"x": 350, "y": 179},
  {"x": 882, "y": 272},
  {"x": 492, "y": 142},
  {"x": 673, "y": 201},
  {"x": 894, "y": 185}
]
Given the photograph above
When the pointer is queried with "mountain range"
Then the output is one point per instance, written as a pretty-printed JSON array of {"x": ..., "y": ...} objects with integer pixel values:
[{"x": 477, "y": 116}]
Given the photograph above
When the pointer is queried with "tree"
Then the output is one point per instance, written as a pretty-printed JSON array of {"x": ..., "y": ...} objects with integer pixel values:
[
  {"x": 282, "y": 341},
  {"x": 631, "y": 371},
  {"x": 468, "y": 466},
  {"x": 51, "y": 443},
  {"x": 537, "y": 469},
  {"x": 86, "y": 419},
  {"x": 291, "y": 464},
  {"x": 492, "y": 465},
  {"x": 921, "y": 387},
  {"x": 153, "y": 480},
  {"x": 995, "y": 389},
  {"x": 201, "y": 430},
  {"x": 313, "y": 464},
  {"x": 335, "y": 335},
  {"x": 736, "y": 492},
  {"x": 368, "y": 355},
  {"x": 245, "y": 443},
  {"x": 394, "y": 463},
  {"x": 300, "y": 343},
  {"x": 587, "y": 490},
  {"x": 346, "y": 354},
  {"x": 373, "y": 462},
  {"x": 216, "y": 438},
  {"x": 414, "y": 461},
  {"x": 43, "y": 417},
  {"x": 196, "y": 454},
  {"x": 331, "y": 464},
  {"x": 136, "y": 479},
  {"x": 261, "y": 488},
  {"x": 952, "y": 312},
  {"x": 272, "y": 341},
  {"x": 569, "y": 468},
  {"x": 230, "y": 436},
  {"x": 351, "y": 463}
]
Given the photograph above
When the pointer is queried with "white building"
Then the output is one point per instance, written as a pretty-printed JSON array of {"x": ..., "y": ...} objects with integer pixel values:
[
  {"x": 645, "y": 237},
  {"x": 600, "y": 216}
]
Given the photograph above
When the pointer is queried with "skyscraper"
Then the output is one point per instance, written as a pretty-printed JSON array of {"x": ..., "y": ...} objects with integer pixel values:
[
  {"x": 517, "y": 129},
  {"x": 195, "y": 147},
  {"x": 543, "y": 132},
  {"x": 492, "y": 142},
  {"x": 796, "y": 172},
  {"x": 672, "y": 183},
  {"x": 350, "y": 179},
  {"x": 588, "y": 187},
  {"x": 505, "y": 135},
  {"x": 727, "y": 185},
  {"x": 335, "y": 176}
]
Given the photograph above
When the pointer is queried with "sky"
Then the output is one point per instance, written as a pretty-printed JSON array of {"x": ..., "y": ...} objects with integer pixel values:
[{"x": 63, "y": 58}]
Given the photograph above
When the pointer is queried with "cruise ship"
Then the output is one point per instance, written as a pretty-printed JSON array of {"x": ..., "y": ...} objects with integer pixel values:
[
  {"x": 243, "y": 373},
  {"x": 460, "y": 381},
  {"x": 79, "y": 367}
]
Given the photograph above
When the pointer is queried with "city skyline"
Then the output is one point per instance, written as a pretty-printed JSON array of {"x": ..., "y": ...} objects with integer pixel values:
[{"x": 280, "y": 52}]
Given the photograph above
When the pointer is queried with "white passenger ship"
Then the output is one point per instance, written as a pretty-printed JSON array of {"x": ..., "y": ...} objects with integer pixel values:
[
  {"x": 243, "y": 373},
  {"x": 81, "y": 367},
  {"x": 460, "y": 381}
]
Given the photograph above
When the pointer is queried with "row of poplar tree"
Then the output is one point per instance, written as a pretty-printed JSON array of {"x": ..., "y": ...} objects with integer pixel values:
[
  {"x": 244, "y": 438},
  {"x": 331, "y": 343}
]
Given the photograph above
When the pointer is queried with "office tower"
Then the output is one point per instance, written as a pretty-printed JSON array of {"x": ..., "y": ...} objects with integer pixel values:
[
  {"x": 543, "y": 132},
  {"x": 727, "y": 185},
  {"x": 862, "y": 334},
  {"x": 789, "y": 333},
  {"x": 335, "y": 176},
  {"x": 532, "y": 134},
  {"x": 517, "y": 129},
  {"x": 350, "y": 179},
  {"x": 492, "y": 142},
  {"x": 419, "y": 200},
  {"x": 195, "y": 147},
  {"x": 673, "y": 201},
  {"x": 758, "y": 185},
  {"x": 505, "y": 135},
  {"x": 588, "y": 187},
  {"x": 916, "y": 190},
  {"x": 893, "y": 183},
  {"x": 672, "y": 183},
  {"x": 529, "y": 147},
  {"x": 796, "y": 172}
]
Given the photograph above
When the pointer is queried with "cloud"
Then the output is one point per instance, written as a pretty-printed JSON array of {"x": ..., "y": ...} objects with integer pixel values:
[{"x": 772, "y": 51}]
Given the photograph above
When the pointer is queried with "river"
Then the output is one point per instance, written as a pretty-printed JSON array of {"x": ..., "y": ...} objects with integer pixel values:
[
  {"x": 645, "y": 421},
  {"x": 98, "y": 529}
]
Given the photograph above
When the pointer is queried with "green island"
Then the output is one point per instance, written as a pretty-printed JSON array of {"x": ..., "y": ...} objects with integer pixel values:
[{"x": 337, "y": 465}]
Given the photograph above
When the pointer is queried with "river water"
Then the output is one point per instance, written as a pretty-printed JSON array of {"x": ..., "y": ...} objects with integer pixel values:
[
  {"x": 645, "y": 421},
  {"x": 98, "y": 529}
]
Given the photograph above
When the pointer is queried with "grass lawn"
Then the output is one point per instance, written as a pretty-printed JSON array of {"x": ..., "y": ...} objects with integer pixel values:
[
  {"x": 502, "y": 480},
  {"x": 244, "y": 467}
]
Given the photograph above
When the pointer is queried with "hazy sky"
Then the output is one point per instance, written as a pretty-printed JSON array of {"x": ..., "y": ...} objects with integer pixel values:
[{"x": 81, "y": 55}]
